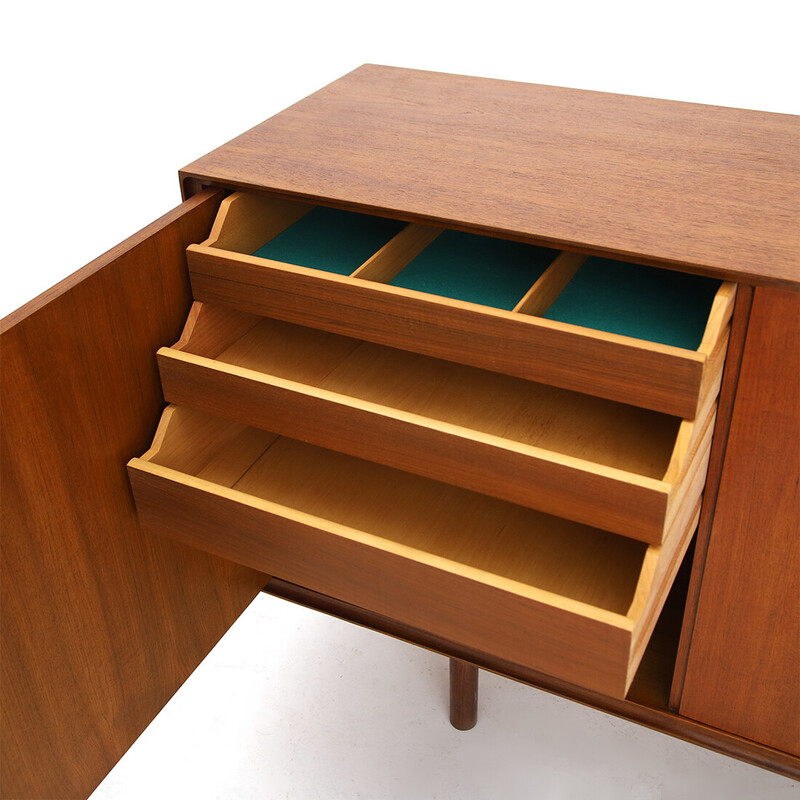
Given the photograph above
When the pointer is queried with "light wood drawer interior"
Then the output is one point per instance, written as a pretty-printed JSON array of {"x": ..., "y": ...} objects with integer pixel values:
[
  {"x": 473, "y": 436},
  {"x": 585, "y": 458},
  {"x": 639, "y": 335},
  {"x": 571, "y": 600}
]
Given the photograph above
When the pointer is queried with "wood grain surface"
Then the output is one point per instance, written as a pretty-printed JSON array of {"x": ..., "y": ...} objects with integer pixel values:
[
  {"x": 586, "y": 650},
  {"x": 532, "y": 589},
  {"x": 743, "y": 671},
  {"x": 620, "y": 368},
  {"x": 582, "y": 491},
  {"x": 661, "y": 566},
  {"x": 569, "y": 454},
  {"x": 319, "y": 488},
  {"x": 101, "y": 623},
  {"x": 463, "y": 694},
  {"x": 727, "y": 395},
  {"x": 709, "y": 189}
]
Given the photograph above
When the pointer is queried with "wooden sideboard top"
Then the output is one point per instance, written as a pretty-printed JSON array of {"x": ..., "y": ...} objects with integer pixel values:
[{"x": 708, "y": 189}]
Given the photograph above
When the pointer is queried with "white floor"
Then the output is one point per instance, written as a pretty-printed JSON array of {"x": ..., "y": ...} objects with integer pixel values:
[{"x": 294, "y": 704}]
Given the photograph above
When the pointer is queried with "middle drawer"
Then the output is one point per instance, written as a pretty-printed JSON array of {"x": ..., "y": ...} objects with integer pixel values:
[{"x": 584, "y": 458}]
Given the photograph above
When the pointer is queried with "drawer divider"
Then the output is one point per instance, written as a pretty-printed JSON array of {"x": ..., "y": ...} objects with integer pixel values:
[
  {"x": 397, "y": 253},
  {"x": 544, "y": 292}
]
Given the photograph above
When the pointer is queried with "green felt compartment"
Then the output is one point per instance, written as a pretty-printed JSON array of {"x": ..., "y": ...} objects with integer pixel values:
[
  {"x": 657, "y": 305},
  {"x": 331, "y": 239},
  {"x": 479, "y": 269}
]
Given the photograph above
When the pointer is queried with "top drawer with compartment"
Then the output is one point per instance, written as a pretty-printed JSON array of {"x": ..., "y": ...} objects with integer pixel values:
[{"x": 639, "y": 335}]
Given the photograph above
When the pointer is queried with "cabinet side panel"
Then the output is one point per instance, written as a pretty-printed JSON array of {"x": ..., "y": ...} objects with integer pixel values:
[
  {"x": 743, "y": 672},
  {"x": 101, "y": 623}
]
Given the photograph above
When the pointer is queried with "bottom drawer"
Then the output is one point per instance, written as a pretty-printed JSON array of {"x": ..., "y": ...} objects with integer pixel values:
[{"x": 566, "y": 599}]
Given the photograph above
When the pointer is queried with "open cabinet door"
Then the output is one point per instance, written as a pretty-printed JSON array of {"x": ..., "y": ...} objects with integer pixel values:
[{"x": 101, "y": 623}]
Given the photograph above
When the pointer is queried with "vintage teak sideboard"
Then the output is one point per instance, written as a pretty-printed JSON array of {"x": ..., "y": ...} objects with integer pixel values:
[{"x": 507, "y": 371}]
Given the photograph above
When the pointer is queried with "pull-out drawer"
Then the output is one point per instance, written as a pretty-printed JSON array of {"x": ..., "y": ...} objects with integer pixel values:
[
  {"x": 625, "y": 469},
  {"x": 573, "y": 601},
  {"x": 639, "y": 335}
]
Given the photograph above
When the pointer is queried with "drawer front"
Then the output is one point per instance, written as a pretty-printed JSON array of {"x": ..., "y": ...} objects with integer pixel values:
[
  {"x": 465, "y": 610},
  {"x": 514, "y": 340},
  {"x": 565, "y": 599}
]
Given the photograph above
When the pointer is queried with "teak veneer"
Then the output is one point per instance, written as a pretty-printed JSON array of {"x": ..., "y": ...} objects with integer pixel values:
[
  {"x": 662, "y": 377},
  {"x": 396, "y": 444},
  {"x": 707, "y": 189},
  {"x": 100, "y": 622}
]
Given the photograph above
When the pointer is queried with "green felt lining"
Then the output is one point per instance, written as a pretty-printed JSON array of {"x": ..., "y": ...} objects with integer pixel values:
[
  {"x": 657, "y": 305},
  {"x": 331, "y": 239},
  {"x": 478, "y": 269}
]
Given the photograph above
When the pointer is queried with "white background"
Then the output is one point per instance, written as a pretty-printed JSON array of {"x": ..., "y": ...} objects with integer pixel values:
[{"x": 103, "y": 103}]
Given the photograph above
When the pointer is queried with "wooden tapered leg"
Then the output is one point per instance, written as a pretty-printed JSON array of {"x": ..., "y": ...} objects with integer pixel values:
[{"x": 463, "y": 694}]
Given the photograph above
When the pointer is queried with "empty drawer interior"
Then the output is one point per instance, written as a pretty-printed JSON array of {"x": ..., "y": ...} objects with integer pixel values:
[
  {"x": 582, "y": 426},
  {"x": 400, "y": 510}
]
